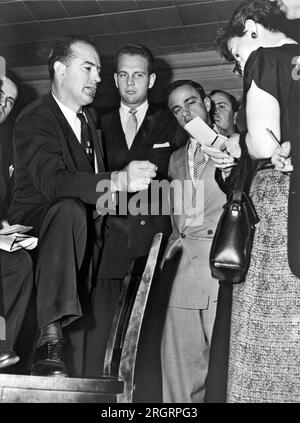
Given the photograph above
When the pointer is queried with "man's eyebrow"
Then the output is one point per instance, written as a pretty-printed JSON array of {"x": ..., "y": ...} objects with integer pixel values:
[
  {"x": 9, "y": 97},
  {"x": 192, "y": 97},
  {"x": 176, "y": 106},
  {"x": 87, "y": 62}
]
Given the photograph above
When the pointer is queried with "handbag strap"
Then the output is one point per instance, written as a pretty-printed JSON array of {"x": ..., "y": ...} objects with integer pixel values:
[{"x": 244, "y": 172}]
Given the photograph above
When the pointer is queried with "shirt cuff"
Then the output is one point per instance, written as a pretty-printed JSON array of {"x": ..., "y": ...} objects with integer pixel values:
[{"x": 118, "y": 181}]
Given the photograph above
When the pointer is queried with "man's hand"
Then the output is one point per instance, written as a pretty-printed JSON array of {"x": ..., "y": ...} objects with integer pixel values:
[
  {"x": 232, "y": 146},
  {"x": 4, "y": 224},
  {"x": 221, "y": 158},
  {"x": 136, "y": 176},
  {"x": 281, "y": 158}
]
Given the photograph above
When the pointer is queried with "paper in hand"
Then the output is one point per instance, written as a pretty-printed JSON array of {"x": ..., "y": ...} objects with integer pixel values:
[
  {"x": 203, "y": 133},
  {"x": 13, "y": 238},
  {"x": 12, "y": 229}
]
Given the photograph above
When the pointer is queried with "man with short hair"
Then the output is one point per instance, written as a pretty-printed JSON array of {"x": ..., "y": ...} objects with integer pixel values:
[
  {"x": 16, "y": 275},
  {"x": 290, "y": 7},
  {"x": 154, "y": 136},
  {"x": 59, "y": 178},
  {"x": 223, "y": 113},
  {"x": 196, "y": 209}
]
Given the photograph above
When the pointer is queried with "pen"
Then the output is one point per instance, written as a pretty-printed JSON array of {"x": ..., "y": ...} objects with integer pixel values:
[{"x": 273, "y": 136}]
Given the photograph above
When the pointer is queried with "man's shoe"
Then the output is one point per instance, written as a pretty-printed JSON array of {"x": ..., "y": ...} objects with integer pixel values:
[
  {"x": 8, "y": 358},
  {"x": 47, "y": 360}
]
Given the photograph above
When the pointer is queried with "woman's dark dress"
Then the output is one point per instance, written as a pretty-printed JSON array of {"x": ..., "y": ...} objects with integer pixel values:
[{"x": 264, "y": 351}]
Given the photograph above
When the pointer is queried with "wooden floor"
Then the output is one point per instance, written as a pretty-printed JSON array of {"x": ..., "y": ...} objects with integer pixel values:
[{"x": 37, "y": 389}]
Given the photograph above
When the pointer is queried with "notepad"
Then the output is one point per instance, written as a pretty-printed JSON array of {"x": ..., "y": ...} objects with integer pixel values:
[{"x": 203, "y": 133}]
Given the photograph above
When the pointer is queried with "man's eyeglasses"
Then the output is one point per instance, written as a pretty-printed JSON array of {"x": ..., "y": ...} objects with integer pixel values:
[{"x": 237, "y": 70}]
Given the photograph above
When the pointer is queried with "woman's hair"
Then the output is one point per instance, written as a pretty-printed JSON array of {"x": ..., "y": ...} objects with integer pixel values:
[{"x": 263, "y": 12}]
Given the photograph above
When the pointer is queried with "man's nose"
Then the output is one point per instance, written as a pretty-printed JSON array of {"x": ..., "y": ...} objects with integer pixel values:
[
  {"x": 186, "y": 113},
  {"x": 130, "y": 80},
  {"x": 96, "y": 76}
]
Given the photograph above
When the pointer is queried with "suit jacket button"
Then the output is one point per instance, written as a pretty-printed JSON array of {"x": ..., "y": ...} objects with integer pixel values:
[
  {"x": 143, "y": 222},
  {"x": 210, "y": 232},
  {"x": 182, "y": 235}
]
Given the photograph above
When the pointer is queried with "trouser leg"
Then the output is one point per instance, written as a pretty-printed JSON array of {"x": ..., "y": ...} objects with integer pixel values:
[
  {"x": 61, "y": 250},
  {"x": 184, "y": 355},
  {"x": 16, "y": 282},
  {"x": 103, "y": 306}
]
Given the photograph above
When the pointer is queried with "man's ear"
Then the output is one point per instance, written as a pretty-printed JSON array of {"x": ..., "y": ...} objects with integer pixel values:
[
  {"x": 152, "y": 79},
  {"x": 116, "y": 79},
  {"x": 250, "y": 28},
  {"x": 207, "y": 103},
  {"x": 59, "y": 69}
]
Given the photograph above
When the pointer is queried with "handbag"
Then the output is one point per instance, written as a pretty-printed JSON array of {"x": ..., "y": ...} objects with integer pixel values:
[{"x": 231, "y": 247}]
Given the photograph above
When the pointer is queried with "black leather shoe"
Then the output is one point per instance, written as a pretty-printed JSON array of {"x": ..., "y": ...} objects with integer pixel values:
[
  {"x": 8, "y": 358},
  {"x": 48, "y": 361}
]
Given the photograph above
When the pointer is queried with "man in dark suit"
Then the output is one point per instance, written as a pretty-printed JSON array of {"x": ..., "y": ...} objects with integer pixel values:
[
  {"x": 154, "y": 137},
  {"x": 224, "y": 112},
  {"x": 16, "y": 276},
  {"x": 59, "y": 179}
]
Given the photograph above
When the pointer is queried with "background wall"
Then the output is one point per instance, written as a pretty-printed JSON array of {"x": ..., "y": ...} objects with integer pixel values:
[{"x": 207, "y": 68}]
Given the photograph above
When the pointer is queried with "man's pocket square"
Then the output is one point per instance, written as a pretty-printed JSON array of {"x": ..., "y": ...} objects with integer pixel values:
[{"x": 165, "y": 144}]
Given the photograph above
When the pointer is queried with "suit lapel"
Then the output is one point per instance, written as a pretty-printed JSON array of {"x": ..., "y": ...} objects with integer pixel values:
[
  {"x": 181, "y": 170},
  {"x": 147, "y": 134},
  {"x": 70, "y": 145},
  {"x": 117, "y": 138}
]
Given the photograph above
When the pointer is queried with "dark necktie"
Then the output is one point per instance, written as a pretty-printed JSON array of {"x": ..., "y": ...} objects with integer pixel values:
[
  {"x": 199, "y": 162},
  {"x": 86, "y": 139}
]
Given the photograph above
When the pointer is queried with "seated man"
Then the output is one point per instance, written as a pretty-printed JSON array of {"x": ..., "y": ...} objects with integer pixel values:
[
  {"x": 16, "y": 276},
  {"x": 59, "y": 179}
]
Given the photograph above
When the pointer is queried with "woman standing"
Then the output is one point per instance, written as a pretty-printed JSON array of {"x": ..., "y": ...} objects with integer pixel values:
[{"x": 264, "y": 358}]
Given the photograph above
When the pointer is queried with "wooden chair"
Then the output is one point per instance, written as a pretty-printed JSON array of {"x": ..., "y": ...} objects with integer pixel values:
[{"x": 117, "y": 383}]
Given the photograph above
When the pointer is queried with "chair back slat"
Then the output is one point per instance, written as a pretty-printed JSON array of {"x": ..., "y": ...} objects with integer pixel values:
[{"x": 131, "y": 340}]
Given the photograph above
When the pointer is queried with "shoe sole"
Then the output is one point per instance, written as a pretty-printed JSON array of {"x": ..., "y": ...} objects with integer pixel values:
[{"x": 9, "y": 362}]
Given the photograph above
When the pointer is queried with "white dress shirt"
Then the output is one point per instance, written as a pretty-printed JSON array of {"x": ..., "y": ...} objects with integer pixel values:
[
  {"x": 74, "y": 122},
  {"x": 140, "y": 114}
]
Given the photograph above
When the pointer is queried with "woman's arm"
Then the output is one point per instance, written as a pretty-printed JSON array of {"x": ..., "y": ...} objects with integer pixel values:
[{"x": 262, "y": 111}]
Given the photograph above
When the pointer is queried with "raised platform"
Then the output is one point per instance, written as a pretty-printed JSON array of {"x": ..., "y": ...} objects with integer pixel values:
[{"x": 36, "y": 389}]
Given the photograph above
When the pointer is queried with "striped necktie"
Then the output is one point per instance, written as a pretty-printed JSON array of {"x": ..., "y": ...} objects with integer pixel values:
[
  {"x": 199, "y": 162},
  {"x": 131, "y": 127},
  {"x": 86, "y": 139}
]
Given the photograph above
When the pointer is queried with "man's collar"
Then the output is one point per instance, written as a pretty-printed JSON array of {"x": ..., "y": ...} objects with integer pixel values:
[
  {"x": 69, "y": 113},
  {"x": 141, "y": 108}
]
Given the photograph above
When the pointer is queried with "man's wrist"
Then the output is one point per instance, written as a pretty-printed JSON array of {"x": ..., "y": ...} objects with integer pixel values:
[{"x": 119, "y": 181}]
